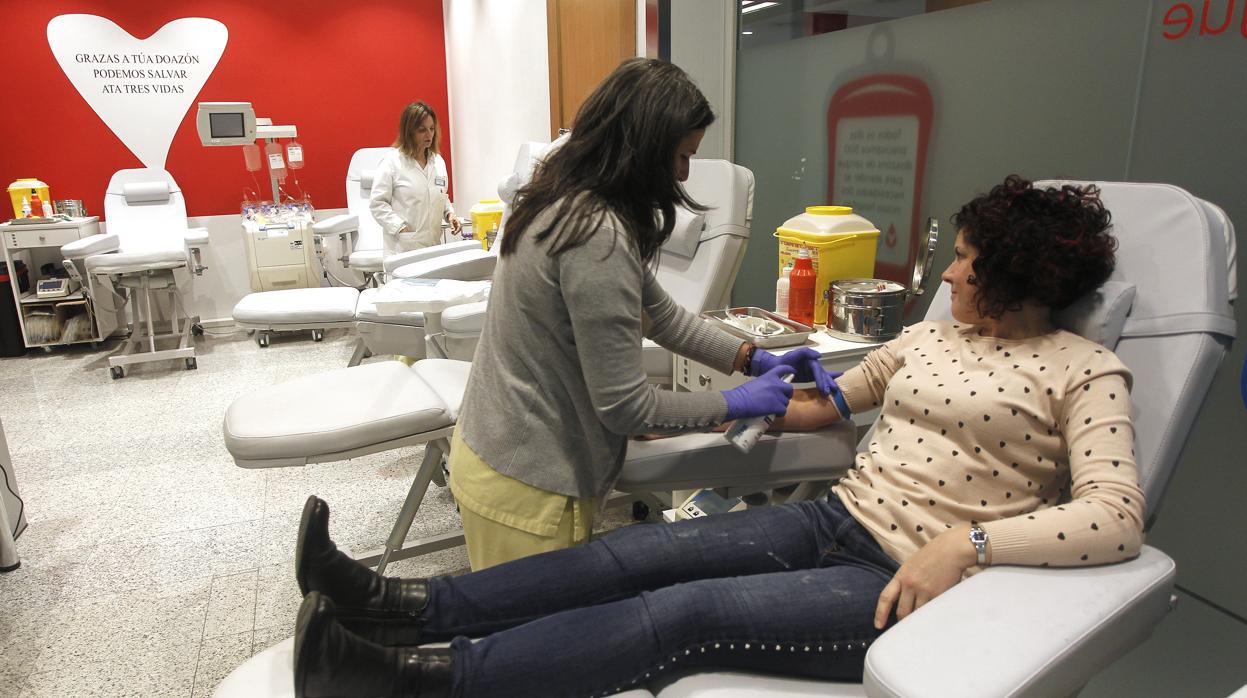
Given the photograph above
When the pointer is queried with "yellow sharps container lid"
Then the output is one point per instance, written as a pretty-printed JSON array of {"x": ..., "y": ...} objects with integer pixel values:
[{"x": 829, "y": 210}]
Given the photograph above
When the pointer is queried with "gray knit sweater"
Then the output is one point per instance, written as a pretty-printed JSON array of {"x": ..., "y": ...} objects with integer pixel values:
[{"x": 557, "y": 382}]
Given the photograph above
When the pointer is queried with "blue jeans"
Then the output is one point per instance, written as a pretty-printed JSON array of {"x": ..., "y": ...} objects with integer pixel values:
[{"x": 787, "y": 589}]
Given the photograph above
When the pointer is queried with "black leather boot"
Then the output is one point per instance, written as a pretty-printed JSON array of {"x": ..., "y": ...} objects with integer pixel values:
[
  {"x": 330, "y": 662},
  {"x": 385, "y": 610}
]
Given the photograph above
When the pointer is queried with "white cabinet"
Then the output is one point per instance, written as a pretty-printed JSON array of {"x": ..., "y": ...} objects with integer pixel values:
[{"x": 48, "y": 322}]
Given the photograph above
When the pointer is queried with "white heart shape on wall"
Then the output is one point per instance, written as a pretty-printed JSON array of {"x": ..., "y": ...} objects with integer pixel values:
[{"x": 140, "y": 88}]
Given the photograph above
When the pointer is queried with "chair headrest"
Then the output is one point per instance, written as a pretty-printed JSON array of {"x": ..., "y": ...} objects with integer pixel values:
[
  {"x": 1176, "y": 293},
  {"x": 1099, "y": 315},
  {"x": 145, "y": 192},
  {"x": 686, "y": 235}
]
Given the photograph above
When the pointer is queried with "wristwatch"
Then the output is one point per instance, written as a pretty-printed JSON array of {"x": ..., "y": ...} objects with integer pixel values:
[{"x": 979, "y": 538}]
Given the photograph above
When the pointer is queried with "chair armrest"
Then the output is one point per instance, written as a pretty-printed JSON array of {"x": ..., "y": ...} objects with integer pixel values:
[
  {"x": 341, "y": 223},
  {"x": 393, "y": 262},
  {"x": 472, "y": 264},
  {"x": 708, "y": 460},
  {"x": 1023, "y": 631},
  {"x": 91, "y": 244},
  {"x": 196, "y": 237},
  {"x": 466, "y": 318}
]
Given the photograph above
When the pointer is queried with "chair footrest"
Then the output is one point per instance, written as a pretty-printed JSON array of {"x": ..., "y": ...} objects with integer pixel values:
[{"x": 297, "y": 308}]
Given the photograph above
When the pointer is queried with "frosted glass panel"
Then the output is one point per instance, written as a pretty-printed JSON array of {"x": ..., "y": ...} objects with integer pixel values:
[{"x": 992, "y": 88}]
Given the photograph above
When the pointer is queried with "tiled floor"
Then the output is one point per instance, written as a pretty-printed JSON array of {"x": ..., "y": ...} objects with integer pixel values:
[{"x": 153, "y": 565}]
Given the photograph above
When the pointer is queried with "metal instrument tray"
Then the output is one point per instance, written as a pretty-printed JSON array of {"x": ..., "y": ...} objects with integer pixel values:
[{"x": 794, "y": 332}]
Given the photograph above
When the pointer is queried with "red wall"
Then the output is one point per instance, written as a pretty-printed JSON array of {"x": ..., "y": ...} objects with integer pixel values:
[{"x": 341, "y": 71}]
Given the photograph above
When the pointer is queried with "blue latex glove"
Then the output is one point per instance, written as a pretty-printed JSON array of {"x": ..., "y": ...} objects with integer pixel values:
[
  {"x": 804, "y": 362},
  {"x": 766, "y": 394}
]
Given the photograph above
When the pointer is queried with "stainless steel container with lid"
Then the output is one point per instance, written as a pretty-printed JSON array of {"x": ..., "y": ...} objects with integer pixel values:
[
  {"x": 70, "y": 207},
  {"x": 873, "y": 310}
]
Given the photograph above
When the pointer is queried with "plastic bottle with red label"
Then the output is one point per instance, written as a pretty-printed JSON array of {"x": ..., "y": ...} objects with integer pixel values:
[{"x": 801, "y": 282}]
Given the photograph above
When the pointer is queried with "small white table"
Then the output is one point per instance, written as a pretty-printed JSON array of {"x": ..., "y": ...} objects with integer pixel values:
[{"x": 37, "y": 244}]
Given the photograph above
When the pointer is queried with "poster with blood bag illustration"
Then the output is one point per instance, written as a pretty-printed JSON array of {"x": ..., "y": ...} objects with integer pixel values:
[{"x": 878, "y": 129}]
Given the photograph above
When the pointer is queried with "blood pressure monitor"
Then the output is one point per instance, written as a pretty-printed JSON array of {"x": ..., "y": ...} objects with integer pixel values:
[
  {"x": 55, "y": 287},
  {"x": 226, "y": 123}
]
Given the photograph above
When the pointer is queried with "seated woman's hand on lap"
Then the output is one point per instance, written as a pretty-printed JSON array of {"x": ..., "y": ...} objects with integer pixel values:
[{"x": 931, "y": 571}]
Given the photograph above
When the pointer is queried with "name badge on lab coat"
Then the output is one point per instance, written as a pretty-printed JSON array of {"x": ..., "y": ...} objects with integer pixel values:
[{"x": 439, "y": 181}]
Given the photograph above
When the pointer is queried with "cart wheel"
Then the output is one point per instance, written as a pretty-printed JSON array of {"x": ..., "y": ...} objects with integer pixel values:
[
  {"x": 262, "y": 340},
  {"x": 318, "y": 335},
  {"x": 197, "y": 329},
  {"x": 117, "y": 372},
  {"x": 640, "y": 511},
  {"x": 191, "y": 364}
]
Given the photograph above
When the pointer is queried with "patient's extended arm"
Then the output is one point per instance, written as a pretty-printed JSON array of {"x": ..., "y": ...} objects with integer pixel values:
[{"x": 808, "y": 411}]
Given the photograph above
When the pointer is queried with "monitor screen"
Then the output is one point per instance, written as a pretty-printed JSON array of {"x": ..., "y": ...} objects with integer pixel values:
[{"x": 226, "y": 125}]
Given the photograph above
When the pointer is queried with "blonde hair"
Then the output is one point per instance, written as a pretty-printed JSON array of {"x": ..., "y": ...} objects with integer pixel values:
[{"x": 413, "y": 115}]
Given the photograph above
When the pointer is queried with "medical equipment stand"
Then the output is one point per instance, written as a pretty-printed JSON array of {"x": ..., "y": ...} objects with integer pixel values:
[
  {"x": 12, "y": 511},
  {"x": 279, "y": 255}
]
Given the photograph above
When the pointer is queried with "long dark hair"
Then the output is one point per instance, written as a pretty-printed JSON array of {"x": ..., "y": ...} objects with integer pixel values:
[{"x": 619, "y": 159}]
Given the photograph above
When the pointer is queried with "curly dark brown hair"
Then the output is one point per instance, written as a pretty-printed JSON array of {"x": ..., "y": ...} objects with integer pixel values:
[{"x": 1050, "y": 245}]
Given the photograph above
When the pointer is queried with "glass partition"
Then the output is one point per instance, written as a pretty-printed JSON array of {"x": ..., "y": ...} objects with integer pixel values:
[{"x": 909, "y": 118}]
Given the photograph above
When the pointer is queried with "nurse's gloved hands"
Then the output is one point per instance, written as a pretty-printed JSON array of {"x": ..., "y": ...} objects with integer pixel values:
[
  {"x": 804, "y": 362},
  {"x": 766, "y": 394}
]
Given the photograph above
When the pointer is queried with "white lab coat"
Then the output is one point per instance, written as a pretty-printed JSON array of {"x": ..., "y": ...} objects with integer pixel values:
[{"x": 405, "y": 194}]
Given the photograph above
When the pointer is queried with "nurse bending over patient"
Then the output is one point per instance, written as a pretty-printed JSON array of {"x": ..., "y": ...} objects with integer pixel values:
[
  {"x": 408, "y": 194},
  {"x": 557, "y": 382},
  {"x": 1001, "y": 440}
]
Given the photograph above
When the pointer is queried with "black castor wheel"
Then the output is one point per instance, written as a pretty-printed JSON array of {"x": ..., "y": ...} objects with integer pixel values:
[{"x": 640, "y": 511}]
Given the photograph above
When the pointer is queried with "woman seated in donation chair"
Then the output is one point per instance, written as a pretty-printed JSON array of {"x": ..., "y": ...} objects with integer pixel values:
[{"x": 1001, "y": 440}]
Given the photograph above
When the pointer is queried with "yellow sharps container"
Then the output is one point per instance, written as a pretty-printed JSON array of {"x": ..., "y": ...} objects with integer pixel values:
[
  {"x": 486, "y": 219},
  {"x": 21, "y": 189},
  {"x": 841, "y": 244}
]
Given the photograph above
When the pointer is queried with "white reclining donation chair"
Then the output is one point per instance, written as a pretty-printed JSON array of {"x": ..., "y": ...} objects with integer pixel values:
[
  {"x": 360, "y": 241},
  {"x": 1169, "y": 319},
  {"x": 146, "y": 249},
  {"x": 697, "y": 266},
  {"x": 362, "y": 237},
  {"x": 360, "y": 244}
]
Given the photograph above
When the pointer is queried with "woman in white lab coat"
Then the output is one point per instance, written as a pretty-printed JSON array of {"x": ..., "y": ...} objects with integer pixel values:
[{"x": 408, "y": 194}]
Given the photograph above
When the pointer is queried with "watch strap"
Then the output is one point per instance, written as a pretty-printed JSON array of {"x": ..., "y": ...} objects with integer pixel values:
[{"x": 978, "y": 537}]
